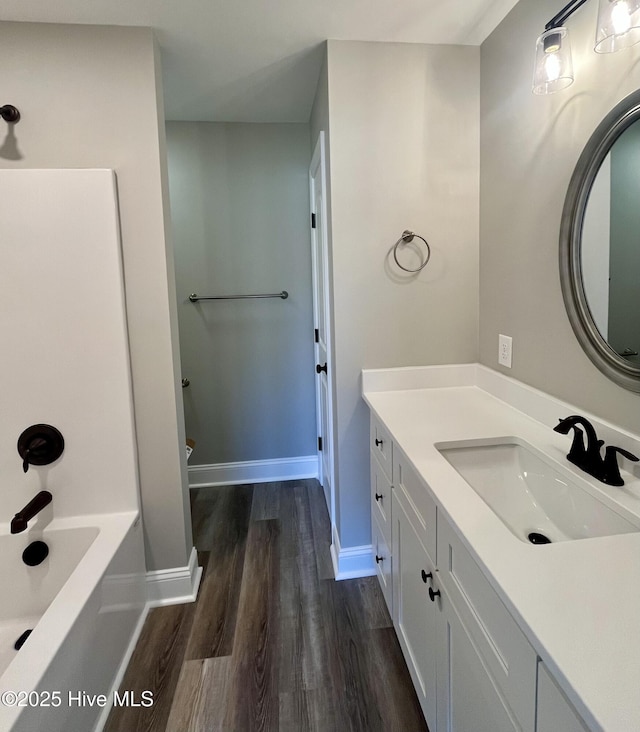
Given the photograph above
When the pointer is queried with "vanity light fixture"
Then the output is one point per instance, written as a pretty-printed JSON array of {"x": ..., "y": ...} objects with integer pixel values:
[
  {"x": 618, "y": 27},
  {"x": 554, "y": 66}
]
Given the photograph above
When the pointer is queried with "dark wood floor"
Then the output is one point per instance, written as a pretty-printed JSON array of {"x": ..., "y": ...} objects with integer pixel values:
[{"x": 273, "y": 642}]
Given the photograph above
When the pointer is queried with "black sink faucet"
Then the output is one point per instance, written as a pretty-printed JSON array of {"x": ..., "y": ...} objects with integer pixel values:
[
  {"x": 586, "y": 458},
  {"x": 589, "y": 458},
  {"x": 21, "y": 519}
]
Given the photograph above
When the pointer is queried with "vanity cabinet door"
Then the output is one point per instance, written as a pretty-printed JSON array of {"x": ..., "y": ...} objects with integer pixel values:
[
  {"x": 381, "y": 528},
  {"x": 381, "y": 497},
  {"x": 468, "y": 698},
  {"x": 414, "y": 614},
  {"x": 383, "y": 562},
  {"x": 505, "y": 651}
]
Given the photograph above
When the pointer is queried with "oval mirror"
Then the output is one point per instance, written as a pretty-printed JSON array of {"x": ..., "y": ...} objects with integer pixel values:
[{"x": 600, "y": 246}]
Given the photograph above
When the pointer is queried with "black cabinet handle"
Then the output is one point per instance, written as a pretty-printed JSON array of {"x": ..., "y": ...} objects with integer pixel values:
[
  {"x": 379, "y": 496},
  {"x": 319, "y": 368},
  {"x": 433, "y": 594},
  {"x": 379, "y": 559},
  {"x": 379, "y": 442},
  {"x": 425, "y": 575}
]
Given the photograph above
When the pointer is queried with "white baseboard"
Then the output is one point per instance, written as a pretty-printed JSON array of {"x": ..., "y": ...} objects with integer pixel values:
[
  {"x": 352, "y": 562},
  {"x": 176, "y": 585},
  {"x": 253, "y": 471}
]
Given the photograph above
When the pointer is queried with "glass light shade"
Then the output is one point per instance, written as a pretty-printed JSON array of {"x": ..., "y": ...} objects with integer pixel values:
[
  {"x": 618, "y": 25},
  {"x": 554, "y": 68}
]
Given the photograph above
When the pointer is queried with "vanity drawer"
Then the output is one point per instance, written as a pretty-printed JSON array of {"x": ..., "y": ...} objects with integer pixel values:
[
  {"x": 382, "y": 446},
  {"x": 383, "y": 561},
  {"x": 413, "y": 489},
  {"x": 504, "y": 648},
  {"x": 381, "y": 498}
]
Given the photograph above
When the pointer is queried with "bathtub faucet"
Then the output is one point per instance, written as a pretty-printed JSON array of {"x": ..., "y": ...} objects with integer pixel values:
[{"x": 21, "y": 519}]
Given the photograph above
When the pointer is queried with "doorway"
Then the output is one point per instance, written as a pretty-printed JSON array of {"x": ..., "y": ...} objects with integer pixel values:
[{"x": 239, "y": 202}]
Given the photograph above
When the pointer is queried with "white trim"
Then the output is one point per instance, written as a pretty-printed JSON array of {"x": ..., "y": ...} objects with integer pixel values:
[
  {"x": 176, "y": 585},
  {"x": 253, "y": 471},
  {"x": 124, "y": 663},
  {"x": 352, "y": 562}
]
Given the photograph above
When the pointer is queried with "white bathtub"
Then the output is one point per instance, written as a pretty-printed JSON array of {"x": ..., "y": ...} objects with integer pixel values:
[{"x": 85, "y": 602}]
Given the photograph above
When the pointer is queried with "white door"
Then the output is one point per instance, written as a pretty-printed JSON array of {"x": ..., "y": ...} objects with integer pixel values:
[{"x": 321, "y": 317}]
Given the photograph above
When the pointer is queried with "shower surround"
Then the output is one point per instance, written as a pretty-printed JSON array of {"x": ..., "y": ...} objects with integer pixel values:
[{"x": 66, "y": 363}]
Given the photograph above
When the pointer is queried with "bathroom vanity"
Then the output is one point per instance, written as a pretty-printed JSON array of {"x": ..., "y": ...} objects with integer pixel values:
[{"x": 499, "y": 633}]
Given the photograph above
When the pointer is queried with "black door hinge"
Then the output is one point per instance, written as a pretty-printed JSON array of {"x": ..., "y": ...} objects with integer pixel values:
[
  {"x": 316, "y": 335},
  {"x": 320, "y": 444},
  {"x": 313, "y": 221}
]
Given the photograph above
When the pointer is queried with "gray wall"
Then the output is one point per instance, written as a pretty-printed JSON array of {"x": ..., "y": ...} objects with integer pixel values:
[
  {"x": 529, "y": 147},
  {"x": 240, "y": 211},
  {"x": 404, "y": 134},
  {"x": 89, "y": 99}
]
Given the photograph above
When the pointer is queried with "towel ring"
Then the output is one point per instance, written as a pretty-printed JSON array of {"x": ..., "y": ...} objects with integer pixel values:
[{"x": 406, "y": 238}]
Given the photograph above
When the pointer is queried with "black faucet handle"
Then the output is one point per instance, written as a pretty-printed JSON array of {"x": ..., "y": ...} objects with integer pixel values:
[
  {"x": 623, "y": 452},
  {"x": 36, "y": 447},
  {"x": 40, "y": 444},
  {"x": 611, "y": 475}
]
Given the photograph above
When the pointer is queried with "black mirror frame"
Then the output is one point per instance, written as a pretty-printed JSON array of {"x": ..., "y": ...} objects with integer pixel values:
[{"x": 617, "y": 368}]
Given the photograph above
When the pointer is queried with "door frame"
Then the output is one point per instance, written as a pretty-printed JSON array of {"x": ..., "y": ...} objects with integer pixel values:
[{"x": 318, "y": 165}]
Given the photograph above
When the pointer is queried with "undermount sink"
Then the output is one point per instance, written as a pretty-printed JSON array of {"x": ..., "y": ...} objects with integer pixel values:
[{"x": 537, "y": 500}]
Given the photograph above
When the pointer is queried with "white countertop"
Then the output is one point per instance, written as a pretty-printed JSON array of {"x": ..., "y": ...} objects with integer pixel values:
[{"x": 578, "y": 602}]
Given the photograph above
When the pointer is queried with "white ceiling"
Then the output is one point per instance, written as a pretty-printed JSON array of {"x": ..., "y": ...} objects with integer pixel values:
[{"x": 259, "y": 60}]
